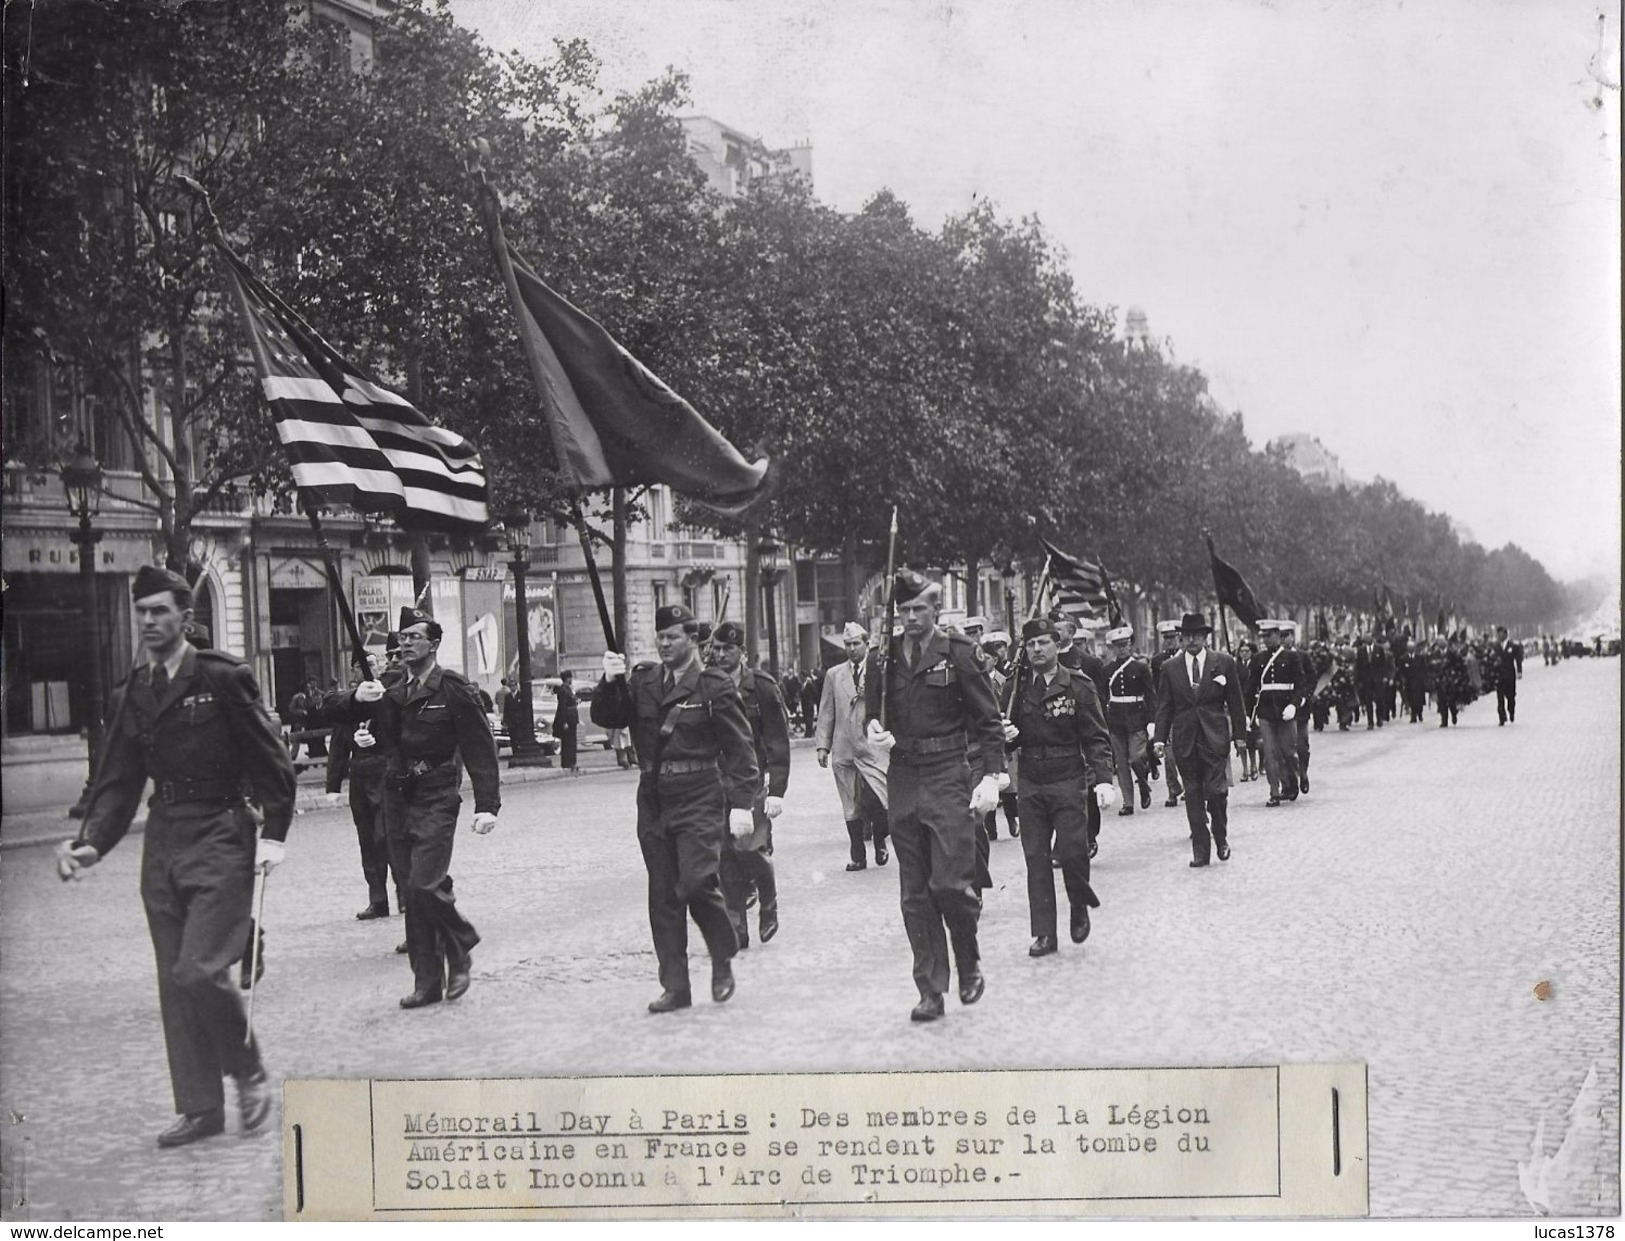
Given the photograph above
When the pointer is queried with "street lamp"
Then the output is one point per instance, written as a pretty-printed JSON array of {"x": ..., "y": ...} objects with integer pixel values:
[
  {"x": 767, "y": 559},
  {"x": 1009, "y": 576},
  {"x": 82, "y": 481},
  {"x": 524, "y": 751}
]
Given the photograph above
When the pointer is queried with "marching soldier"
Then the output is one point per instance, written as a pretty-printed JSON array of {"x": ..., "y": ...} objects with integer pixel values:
[
  {"x": 431, "y": 726},
  {"x": 749, "y": 862},
  {"x": 699, "y": 782},
  {"x": 193, "y": 723},
  {"x": 1128, "y": 711},
  {"x": 1072, "y": 655},
  {"x": 941, "y": 718},
  {"x": 1168, "y": 635},
  {"x": 1055, "y": 724},
  {"x": 1274, "y": 682},
  {"x": 1308, "y": 678}
]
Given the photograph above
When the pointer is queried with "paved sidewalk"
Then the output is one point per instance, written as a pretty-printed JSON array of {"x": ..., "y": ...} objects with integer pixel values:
[{"x": 1402, "y": 914}]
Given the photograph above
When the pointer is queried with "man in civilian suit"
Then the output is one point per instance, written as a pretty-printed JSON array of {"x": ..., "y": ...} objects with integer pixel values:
[
  {"x": 860, "y": 769},
  {"x": 1199, "y": 715}
]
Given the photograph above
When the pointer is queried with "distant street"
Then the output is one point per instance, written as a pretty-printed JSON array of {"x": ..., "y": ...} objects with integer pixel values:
[{"x": 1401, "y": 914}]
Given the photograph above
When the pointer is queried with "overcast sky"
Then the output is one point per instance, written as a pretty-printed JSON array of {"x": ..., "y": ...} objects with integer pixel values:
[{"x": 1394, "y": 226}]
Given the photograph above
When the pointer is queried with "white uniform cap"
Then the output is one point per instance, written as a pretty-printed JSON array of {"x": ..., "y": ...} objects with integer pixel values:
[
  {"x": 1121, "y": 634},
  {"x": 998, "y": 635},
  {"x": 1167, "y": 626}
]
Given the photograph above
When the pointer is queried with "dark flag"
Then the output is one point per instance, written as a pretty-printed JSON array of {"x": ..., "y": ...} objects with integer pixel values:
[
  {"x": 349, "y": 439},
  {"x": 1233, "y": 591},
  {"x": 613, "y": 422},
  {"x": 1078, "y": 587}
]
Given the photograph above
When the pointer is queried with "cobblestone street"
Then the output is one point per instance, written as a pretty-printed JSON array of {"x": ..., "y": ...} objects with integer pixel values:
[{"x": 1402, "y": 915}]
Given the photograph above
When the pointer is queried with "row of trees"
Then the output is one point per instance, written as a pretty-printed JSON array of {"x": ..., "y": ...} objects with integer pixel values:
[{"x": 955, "y": 372}]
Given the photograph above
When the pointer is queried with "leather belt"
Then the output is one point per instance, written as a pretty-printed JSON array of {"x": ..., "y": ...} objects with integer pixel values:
[
  {"x": 1050, "y": 751},
  {"x": 919, "y": 746},
  {"x": 681, "y": 766},
  {"x": 170, "y": 792}
]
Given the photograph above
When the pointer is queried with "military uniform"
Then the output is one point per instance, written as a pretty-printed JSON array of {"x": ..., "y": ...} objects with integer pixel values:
[
  {"x": 750, "y": 861},
  {"x": 1075, "y": 658},
  {"x": 433, "y": 728},
  {"x": 1129, "y": 708},
  {"x": 1308, "y": 677},
  {"x": 363, "y": 767},
  {"x": 699, "y": 763},
  {"x": 942, "y": 713},
  {"x": 1166, "y": 629},
  {"x": 204, "y": 739},
  {"x": 1062, "y": 741},
  {"x": 1274, "y": 681}
]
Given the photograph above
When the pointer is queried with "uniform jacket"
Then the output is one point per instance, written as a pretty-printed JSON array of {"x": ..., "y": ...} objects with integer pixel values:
[
  {"x": 1063, "y": 712},
  {"x": 769, "y": 727},
  {"x": 1277, "y": 667},
  {"x": 1204, "y": 717},
  {"x": 701, "y": 719},
  {"x": 1508, "y": 658},
  {"x": 1129, "y": 677},
  {"x": 434, "y": 721},
  {"x": 1080, "y": 660},
  {"x": 949, "y": 691},
  {"x": 208, "y": 727}
]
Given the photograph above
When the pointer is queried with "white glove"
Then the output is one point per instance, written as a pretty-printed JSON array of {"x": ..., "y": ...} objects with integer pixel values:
[
  {"x": 1158, "y": 747},
  {"x": 268, "y": 854},
  {"x": 1291, "y": 712},
  {"x": 1004, "y": 780},
  {"x": 879, "y": 737},
  {"x": 363, "y": 738},
  {"x": 334, "y": 799},
  {"x": 1011, "y": 732},
  {"x": 740, "y": 824},
  {"x": 1106, "y": 796},
  {"x": 72, "y": 857},
  {"x": 985, "y": 796},
  {"x": 614, "y": 665},
  {"x": 369, "y": 691},
  {"x": 773, "y": 807},
  {"x": 484, "y": 821}
]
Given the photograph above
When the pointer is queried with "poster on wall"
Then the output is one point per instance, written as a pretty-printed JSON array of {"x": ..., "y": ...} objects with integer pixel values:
[
  {"x": 371, "y": 598},
  {"x": 543, "y": 632}
]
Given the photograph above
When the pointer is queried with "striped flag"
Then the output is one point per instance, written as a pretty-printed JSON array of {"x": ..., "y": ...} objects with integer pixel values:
[
  {"x": 350, "y": 440},
  {"x": 1078, "y": 587}
]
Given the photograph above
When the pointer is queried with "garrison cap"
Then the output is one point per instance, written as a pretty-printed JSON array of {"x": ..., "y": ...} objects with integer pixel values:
[
  {"x": 152, "y": 580},
  {"x": 729, "y": 632},
  {"x": 854, "y": 632},
  {"x": 414, "y": 616},
  {"x": 673, "y": 614},
  {"x": 1038, "y": 627},
  {"x": 392, "y": 643},
  {"x": 908, "y": 586}
]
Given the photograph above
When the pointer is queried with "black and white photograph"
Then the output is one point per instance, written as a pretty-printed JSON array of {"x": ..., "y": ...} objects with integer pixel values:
[{"x": 593, "y": 539}]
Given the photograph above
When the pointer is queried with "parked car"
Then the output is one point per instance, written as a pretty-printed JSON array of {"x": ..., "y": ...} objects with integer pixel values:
[{"x": 544, "y": 704}]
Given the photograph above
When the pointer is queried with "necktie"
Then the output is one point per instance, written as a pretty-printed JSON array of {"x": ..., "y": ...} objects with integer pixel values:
[
  {"x": 160, "y": 680},
  {"x": 1196, "y": 671},
  {"x": 668, "y": 682},
  {"x": 913, "y": 654}
]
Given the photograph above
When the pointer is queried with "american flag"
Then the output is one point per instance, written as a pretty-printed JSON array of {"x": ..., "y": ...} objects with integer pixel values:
[
  {"x": 349, "y": 439},
  {"x": 1078, "y": 587}
]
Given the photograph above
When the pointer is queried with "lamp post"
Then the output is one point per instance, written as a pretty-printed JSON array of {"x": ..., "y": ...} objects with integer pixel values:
[
  {"x": 524, "y": 751},
  {"x": 767, "y": 557},
  {"x": 82, "y": 481},
  {"x": 1009, "y": 576}
]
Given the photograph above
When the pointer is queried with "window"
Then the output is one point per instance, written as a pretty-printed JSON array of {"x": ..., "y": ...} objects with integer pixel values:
[{"x": 659, "y": 594}]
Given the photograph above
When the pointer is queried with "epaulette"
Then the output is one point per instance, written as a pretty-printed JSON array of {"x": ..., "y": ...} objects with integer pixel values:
[{"x": 212, "y": 655}]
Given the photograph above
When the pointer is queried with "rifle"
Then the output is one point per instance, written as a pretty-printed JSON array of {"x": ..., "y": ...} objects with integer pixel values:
[{"x": 891, "y": 614}]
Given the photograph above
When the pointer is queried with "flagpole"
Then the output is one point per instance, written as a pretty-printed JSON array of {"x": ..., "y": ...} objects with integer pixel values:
[{"x": 592, "y": 575}]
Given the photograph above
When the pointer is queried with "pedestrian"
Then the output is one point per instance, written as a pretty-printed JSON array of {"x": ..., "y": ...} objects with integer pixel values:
[
  {"x": 1055, "y": 724},
  {"x": 356, "y": 756},
  {"x": 431, "y": 729},
  {"x": 748, "y": 862},
  {"x": 812, "y": 687},
  {"x": 1274, "y": 684},
  {"x": 1508, "y": 667},
  {"x": 940, "y": 714},
  {"x": 1252, "y": 763},
  {"x": 859, "y": 768},
  {"x": 193, "y": 723},
  {"x": 1199, "y": 715},
  {"x": 295, "y": 713},
  {"x": 315, "y": 739},
  {"x": 1128, "y": 711},
  {"x": 699, "y": 782},
  {"x": 566, "y": 719}
]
